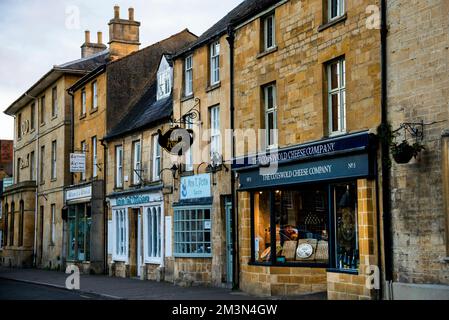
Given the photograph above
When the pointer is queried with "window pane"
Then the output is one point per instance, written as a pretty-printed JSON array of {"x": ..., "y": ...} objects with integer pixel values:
[{"x": 347, "y": 250}]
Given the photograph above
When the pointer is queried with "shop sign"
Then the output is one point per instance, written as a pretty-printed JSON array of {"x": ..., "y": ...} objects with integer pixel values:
[
  {"x": 133, "y": 200},
  {"x": 79, "y": 193},
  {"x": 194, "y": 187},
  {"x": 7, "y": 182},
  {"x": 330, "y": 169},
  {"x": 176, "y": 141},
  {"x": 77, "y": 162},
  {"x": 306, "y": 151}
]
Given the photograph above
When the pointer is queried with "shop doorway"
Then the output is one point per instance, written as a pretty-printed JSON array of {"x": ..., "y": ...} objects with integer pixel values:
[
  {"x": 229, "y": 243},
  {"x": 135, "y": 243}
]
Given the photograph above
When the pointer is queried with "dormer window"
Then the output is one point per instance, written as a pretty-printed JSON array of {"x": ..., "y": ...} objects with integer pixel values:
[{"x": 164, "y": 79}]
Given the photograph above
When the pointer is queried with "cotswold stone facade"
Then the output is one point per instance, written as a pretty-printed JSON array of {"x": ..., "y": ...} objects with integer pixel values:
[
  {"x": 418, "y": 86},
  {"x": 296, "y": 66}
]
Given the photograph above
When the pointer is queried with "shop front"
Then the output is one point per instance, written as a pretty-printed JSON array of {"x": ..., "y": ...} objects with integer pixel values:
[
  {"x": 136, "y": 234},
  {"x": 84, "y": 227},
  {"x": 307, "y": 218}
]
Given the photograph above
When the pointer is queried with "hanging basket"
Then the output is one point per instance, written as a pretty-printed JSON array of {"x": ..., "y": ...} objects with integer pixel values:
[{"x": 404, "y": 152}]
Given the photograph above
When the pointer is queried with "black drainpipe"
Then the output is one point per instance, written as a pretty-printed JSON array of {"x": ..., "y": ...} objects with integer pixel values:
[
  {"x": 386, "y": 191},
  {"x": 234, "y": 210},
  {"x": 105, "y": 207},
  {"x": 72, "y": 128}
]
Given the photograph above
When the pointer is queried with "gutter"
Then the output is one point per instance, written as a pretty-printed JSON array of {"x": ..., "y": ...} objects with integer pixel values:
[
  {"x": 386, "y": 190},
  {"x": 234, "y": 210}
]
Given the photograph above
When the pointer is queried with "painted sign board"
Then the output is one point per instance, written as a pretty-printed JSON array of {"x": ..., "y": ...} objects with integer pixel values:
[
  {"x": 78, "y": 193},
  {"x": 327, "y": 169},
  {"x": 197, "y": 186},
  {"x": 323, "y": 148},
  {"x": 77, "y": 162}
]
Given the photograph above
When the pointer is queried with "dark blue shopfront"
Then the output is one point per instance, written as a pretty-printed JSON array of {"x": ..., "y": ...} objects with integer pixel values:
[{"x": 304, "y": 201}]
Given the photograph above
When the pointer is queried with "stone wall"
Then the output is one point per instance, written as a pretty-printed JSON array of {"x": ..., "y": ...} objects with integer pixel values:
[{"x": 418, "y": 90}]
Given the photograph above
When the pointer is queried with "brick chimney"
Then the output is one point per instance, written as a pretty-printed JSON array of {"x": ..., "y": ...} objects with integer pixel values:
[
  {"x": 89, "y": 48},
  {"x": 123, "y": 34}
]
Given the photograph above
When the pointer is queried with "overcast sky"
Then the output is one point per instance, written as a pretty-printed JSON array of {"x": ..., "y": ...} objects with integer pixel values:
[{"x": 35, "y": 35}]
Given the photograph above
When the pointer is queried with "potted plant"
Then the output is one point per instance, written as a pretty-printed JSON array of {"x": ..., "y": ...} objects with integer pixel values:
[{"x": 404, "y": 151}]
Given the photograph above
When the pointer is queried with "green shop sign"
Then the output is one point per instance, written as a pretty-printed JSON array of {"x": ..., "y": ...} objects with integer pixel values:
[{"x": 133, "y": 200}]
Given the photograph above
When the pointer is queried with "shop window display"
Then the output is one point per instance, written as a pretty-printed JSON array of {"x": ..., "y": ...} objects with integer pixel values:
[{"x": 301, "y": 226}]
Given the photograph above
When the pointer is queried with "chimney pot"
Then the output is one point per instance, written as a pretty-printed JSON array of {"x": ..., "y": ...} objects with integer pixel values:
[
  {"x": 116, "y": 12},
  {"x": 87, "y": 36},
  {"x": 131, "y": 14},
  {"x": 100, "y": 37}
]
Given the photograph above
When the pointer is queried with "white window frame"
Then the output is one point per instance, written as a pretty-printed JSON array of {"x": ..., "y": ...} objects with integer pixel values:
[
  {"x": 83, "y": 150},
  {"x": 94, "y": 157},
  {"x": 153, "y": 220},
  {"x": 181, "y": 227},
  {"x": 340, "y": 9},
  {"x": 119, "y": 166},
  {"x": 270, "y": 133},
  {"x": 273, "y": 32},
  {"x": 340, "y": 91},
  {"x": 215, "y": 63},
  {"x": 215, "y": 133},
  {"x": 94, "y": 95},
  {"x": 157, "y": 156},
  {"x": 164, "y": 79},
  {"x": 120, "y": 223},
  {"x": 54, "y": 146},
  {"x": 53, "y": 223},
  {"x": 188, "y": 76},
  {"x": 83, "y": 102},
  {"x": 189, "y": 153},
  {"x": 137, "y": 161}
]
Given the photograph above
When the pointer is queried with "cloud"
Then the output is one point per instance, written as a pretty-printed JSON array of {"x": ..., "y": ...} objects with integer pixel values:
[{"x": 35, "y": 34}]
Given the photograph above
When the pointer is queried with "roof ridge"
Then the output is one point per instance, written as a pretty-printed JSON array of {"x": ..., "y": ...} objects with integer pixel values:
[
  {"x": 153, "y": 45},
  {"x": 96, "y": 55}
]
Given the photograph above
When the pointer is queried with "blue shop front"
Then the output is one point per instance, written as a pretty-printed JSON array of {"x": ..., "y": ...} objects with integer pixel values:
[{"x": 300, "y": 210}]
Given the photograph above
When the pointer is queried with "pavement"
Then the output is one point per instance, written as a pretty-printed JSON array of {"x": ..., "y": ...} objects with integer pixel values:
[{"x": 105, "y": 287}]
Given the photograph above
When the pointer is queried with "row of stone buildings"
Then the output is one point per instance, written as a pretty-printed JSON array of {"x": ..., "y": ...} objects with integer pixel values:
[{"x": 263, "y": 154}]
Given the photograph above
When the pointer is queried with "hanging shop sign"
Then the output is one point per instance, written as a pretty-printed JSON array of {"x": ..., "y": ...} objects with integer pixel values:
[
  {"x": 329, "y": 169},
  {"x": 77, "y": 162},
  {"x": 176, "y": 141},
  {"x": 355, "y": 142},
  {"x": 194, "y": 187}
]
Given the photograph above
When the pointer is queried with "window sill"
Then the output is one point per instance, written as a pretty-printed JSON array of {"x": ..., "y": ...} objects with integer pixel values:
[
  {"x": 213, "y": 87},
  {"x": 54, "y": 180},
  {"x": 42, "y": 183},
  {"x": 187, "y": 173},
  {"x": 117, "y": 189},
  {"x": 187, "y": 98},
  {"x": 267, "y": 52},
  {"x": 344, "y": 271},
  {"x": 83, "y": 116},
  {"x": 289, "y": 265},
  {"x": 54, "y": 117},
  {"x": 93, "y": 110},
  {"x": 42, "y": 124},
  {"x": 332, "y": 22}
]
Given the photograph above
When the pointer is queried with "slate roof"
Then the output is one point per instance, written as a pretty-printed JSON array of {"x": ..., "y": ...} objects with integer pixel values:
[
  {"x": 146, "y": 113},
  {"x": 130, "y": 77},
  {"x": 242, "y": 12}
]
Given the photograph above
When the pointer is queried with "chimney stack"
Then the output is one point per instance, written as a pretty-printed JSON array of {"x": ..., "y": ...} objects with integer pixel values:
[
  {"x": 99, "y": 37},
  {"x": 88, "y": 48},
  {"x": 123, "y": 34}
]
